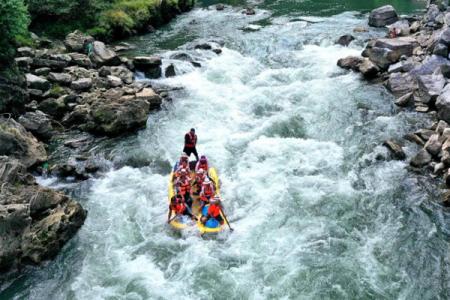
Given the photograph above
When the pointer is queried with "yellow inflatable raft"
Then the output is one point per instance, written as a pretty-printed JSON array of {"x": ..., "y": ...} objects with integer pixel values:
[{"x": 181, "y": 222}]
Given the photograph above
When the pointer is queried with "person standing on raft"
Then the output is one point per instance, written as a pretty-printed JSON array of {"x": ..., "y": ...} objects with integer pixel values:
[{"x": 190, "y": 143}]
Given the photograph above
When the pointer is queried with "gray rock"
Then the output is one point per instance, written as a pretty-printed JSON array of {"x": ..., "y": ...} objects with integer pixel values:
[
  {"x": 421, "y": 159},
  {"x": 382, "y": 57},
  {"x": 18, "y": 143},
  {"x": 368, "y": 69},
  {"x": 430, "y": 65},
  {"x": 82, "y": 84},
  {"x": 170, "y": 71},
  {"x": 443, "y": 104},
  {"x": 56, "y": 65},
  {"x": 150, "y": 96},
  {"x": 441, "y": 50},
  {"x": 396, "y": 149},
  {"x": 114, "y": 81},
  {"x": 401, "y": 46},
  {"x": 60, "y": 78},
  {"x": 401, "y": 27},
  {"x": 77, "y": 41},
  {"x": 102, "y": 56},
  {"x": 350, "y": 62},
  {"x": 444, "y": 38},
  {"x": 42, "y": 71},
  {"x": 405, "y": 100},
  {"x": 434, "y": 144},
  {"x": 123, "y": 73},
  {"x": 429, "y": 87},
  {"x": 26, "y": 51},
  {"x": 150, "y": 65},
  {"x": 441, "y": 126},
  {"x": 81, "y": 60},
  {"x": 36, "y": 222},
  {"x": 36, "y": 82},
  {"x": 400, "y": 84},
  {"x": 24, "y": 63},
  {"x": 54, "y": 107},
  {"x": 383, "y": 16},
  {"x": 38, "y": 124},
  {"x": 345, "y": 40},
  {"x": 402, "y": 66}
]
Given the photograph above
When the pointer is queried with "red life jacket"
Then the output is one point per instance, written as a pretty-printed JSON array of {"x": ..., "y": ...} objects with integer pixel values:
[
  {"x": 203, "y": 166},
  {"x": 180, "y": 208},
  {"x": 192, "y": 140},
  {"x": 214, "y": 210},
  {"x": 208, "y": 192},
  {"x": 184, "y": 186}
]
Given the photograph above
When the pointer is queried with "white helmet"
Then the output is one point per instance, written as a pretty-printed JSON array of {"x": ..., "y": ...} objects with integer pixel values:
[
  {"x": 207, "y": 181},
  {"x": 183, "y": 171},
  {"x": 200, "y": 171}
]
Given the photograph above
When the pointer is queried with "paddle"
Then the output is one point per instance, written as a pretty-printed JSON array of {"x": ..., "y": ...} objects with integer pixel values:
[{"x": 225, "y": 217}]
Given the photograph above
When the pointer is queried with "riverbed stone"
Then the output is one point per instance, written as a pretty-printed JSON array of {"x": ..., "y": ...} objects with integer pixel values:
[
  {"x": 396, "y": 149},
  {"x": 429, "y": 87},
  {"x": 443, "y": 104},
  {"x": 114, "y": 81},
  {"x": 60, "y": 78},
  {"x": 81, "y": 60},
  {"x": 17, "y": 142},
  {"x": 38, "y": 123},
  {"x": 150, "y": 65},
  {"x": 82, "y": 84},
  {"x": 434, "y": 144},
  {"x": 101, "y": 55},
  {"x": 350, "y": 62},
  {"x": 382, "y": 16},
  {"x": 150, "y": 96},
  {"x": 421, "y": 159},
  {"x": 400, "y": 84},
  {"x": 37, "y": 82},
  {"x": 368, "y": 69},
  {"x": 405, "y": 100},
  {"x": 345, "y": 40}
]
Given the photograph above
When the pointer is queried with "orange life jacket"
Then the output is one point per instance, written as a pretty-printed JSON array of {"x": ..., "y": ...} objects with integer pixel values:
[
  {"x": 180, "y": 208},
  {"x": 208, "y": 192},
  {"x": 184, "y": 186},
  {"x": 192, "y": 140},
  {"x": 214, "y": 210}
]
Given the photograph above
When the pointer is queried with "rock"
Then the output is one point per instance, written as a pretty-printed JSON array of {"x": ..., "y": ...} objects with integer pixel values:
[
  {"x": 170, "y": 71},
  {"x": 421, "y": 159},
  {"x": 350, "y": 62},
  {"x": 38, "y": 124},
  {"x": 382, "y": 57},
  {"x": 123, "y": 73},
  {"x": 445, "y": 70},
  {"x": 438, "y": 168},
  {"x": 443, "y": 104},
  {"x": 36, "y": 222},
  {"x": 424, "y": 134},
  {"x": 429, "y": 87},
  {"x": 54, "y": 107},
  {"x": 430, "y": 65},
  {"x": 383, "y": 16},
  {"x": 396, "y": 149},
  {"x": 118, "y": 117},
  {"x": 149, "y": 95},
  {"x": 150, "y": 65},
  {"x": 35, "y": 94},
  {"x": 26, "y": 51},
  {"x": 60, "y": 78},
  {"x": 249, "y": 11},
  {"x": 81, "y": 60},
  {"x": 123, "y": 47},
  {"x": 24, "y": 63},
  {"x": 414, "y": 138},
  {"x": 368, "y": 69},
  {"x": 401, "y": 27},
  {"x": 220, "y": 7},
  {"x": 415, "y": 27},
  {"x": 422, "y": 108},
  {"x": 447, "y": 178},
  {"x": 401, "y": 46},
  {"x": 432, "y": 14},
  {"x": 79, "y": 115},
  {"x": 42, "y": 71},
  {"x": 114, "y": 81},
  {"x": 345, "y": 40},
  {"x": 434, "y": 144},
  {"x": 36, "y": 82},
  {"x": 18, "y": 143},
  {"x": 82, "y": 84},
  {"x": 441, "y": 126},
  {"x": 404, "y": 100},
  {"x": 400, "y": 84},
  {"x": 446, "y": 199},
  {"x": 102, "y": 56},
  {"x": 402, "y": 66},
  {"x": 77, "y": 41},
  {"x": 441, "y": 50}
]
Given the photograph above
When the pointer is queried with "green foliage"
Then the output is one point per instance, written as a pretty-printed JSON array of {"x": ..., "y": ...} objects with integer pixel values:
[{"x": 14, "y": 22}]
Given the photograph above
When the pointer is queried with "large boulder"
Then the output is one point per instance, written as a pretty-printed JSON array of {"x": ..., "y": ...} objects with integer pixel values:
[
  {"x": 422, "y": 158},
  {"x": 18, "y": 143},
  {"x": 443, "y": 104},
  {"x": 60, "y": 78},
  {"x": 38, "y": 123},
  {"x": 81, "y": 60},
  {"x": 400, "y": 46},
  {"x": 103, "y": 56},
  {"x": 368, "y": 69},
  {"x": 429, "y": 87},
  {"x": 126, "y": 114},
  {"x": 382, "y": 16},
  {"x": 400, "y": 84},
  {"x": 150, "y": 65},
  {"x": 382, "y": 57},
  {"x": 150, "y": 96},
  {"x": 77, "y": 41},
  {"x": 38, "y": 83},
  {"x": 430, "y": 65},
  {"x": 35, "y": 222},
  {"x": 350, "y": 62}
]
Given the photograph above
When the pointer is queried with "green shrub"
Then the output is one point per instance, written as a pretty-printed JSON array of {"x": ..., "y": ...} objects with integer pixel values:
[
  {"x": 117, "y": 22},
  {"x": 14, "y": 22}
]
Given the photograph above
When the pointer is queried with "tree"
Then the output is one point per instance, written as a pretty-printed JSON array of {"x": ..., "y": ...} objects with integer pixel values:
[{"x": 14, "y": 21}]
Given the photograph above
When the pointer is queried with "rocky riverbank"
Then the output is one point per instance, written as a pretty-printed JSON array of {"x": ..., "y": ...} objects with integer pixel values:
[
  {"x": 413, "y": 63},
  {"x": 65, "y": 95}
]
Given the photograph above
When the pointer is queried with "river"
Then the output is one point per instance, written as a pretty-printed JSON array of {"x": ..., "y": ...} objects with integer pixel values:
[{"x": 319, "y": 210}]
